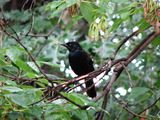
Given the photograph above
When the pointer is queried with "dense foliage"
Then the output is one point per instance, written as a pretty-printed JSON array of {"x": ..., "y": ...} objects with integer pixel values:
[{"x": 34, "y": 66}]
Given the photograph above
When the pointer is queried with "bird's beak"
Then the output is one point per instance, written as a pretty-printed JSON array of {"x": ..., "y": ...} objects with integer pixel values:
[{"x": 65, "y": 45}]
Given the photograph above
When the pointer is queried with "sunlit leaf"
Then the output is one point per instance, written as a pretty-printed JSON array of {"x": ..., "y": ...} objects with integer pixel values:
[
  {"x": 13, "y": 55},
  {"x": 11, "y": 88},
  {"x": 91, "y": 13},
  {"x": 33, "y": 66},
  {"x": 59, "y": 6}
]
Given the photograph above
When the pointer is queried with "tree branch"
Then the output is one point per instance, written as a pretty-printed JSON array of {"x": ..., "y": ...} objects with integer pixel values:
[
  {"x": 118, "y": 70},
  {"x": 22, "y": 79}
]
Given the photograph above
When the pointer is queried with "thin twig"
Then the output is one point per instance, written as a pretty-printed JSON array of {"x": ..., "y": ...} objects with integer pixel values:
[
  {"x": 127, "y": 108},
  {"x": 47, "y": 35},
  {"x": 24, "y": 4},
  {"x": 120, "y": 113},
  {"x": 31, "y": 26},
  {"x": 33, "y": 4},
  {"x": 124, "y": 41},
  {"x": 141, "y": 43},
  {"x": 129, "y": 76},
  {"x": 41, "y": 48},
  {"x": 150, "y": 106},
  {"x": 91, "y": 85}
]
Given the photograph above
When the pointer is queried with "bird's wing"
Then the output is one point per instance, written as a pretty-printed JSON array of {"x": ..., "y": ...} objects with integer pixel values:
[{"x": 88, "y": 60}]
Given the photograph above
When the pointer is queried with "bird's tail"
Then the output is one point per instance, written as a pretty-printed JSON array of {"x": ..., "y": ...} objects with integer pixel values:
[{"x": 91, "y": 92}]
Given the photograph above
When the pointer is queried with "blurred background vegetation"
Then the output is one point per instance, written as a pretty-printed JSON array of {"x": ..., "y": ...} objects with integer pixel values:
[{"x": 122, "y": 18}]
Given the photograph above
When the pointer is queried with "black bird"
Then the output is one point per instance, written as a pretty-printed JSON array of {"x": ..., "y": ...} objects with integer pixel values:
[{"x": 81, "y": 64}]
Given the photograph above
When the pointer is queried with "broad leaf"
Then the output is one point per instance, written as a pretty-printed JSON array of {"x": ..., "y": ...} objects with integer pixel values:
[
  {"x": 59, "y": 6},
  {"x": 156, "y": 41},
  {"x": 11, "y": 88},
  {"x": 92, "y": 11},
  {"x": 137, "y": 91}
]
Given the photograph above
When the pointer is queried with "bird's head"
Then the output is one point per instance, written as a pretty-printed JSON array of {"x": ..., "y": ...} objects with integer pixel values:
[{"x": 72, "y": 46}]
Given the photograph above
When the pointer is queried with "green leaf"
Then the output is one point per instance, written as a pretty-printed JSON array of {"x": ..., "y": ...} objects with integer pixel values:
[
  {"x": 125, "y": 15},
  {"x": 36, "y": 111},
  {"x": 109, "y": 8},
  {"x": 84, "y": 99},
  {"x": 49, "y": 63},
  {"x": 13, "y": 55},
  {"x": 144, "y": 25},
  {"x": 71, "y": 2},
  {"x": 30, "y": 75},
  {"x": 19, "y": 99},
  {"x": 147, "y": 95},
  {"x": 41, "y": 84},
  {"x": 3, "y": 79},
  {"x": 55, "y": 117},
  {"x": 52, "y": 76},
  {"x": 2, "y": 60},
  {"x": 25, "y": 97},
  {"x": 89, "y": 11},
  {"x": 58, "y": 10},
  {"x": 3, "y": 50},
  {"x": 19, "y": 48},
  {"x": 2, "y": 63},
  {"x": 156, "y": 41},
  {"x": 22, "y": 65},
  {"x": 54, "y": 4},
  {"x": 137, "y": 91},
  {"x": 59, "y": 6},
  {"x": 79, "y": 99},
  {"x": 157, "y": 83},
  {"x": 158, "y": 104},
  {"x": 33, "y": 66},
  {"x": 74, "y": 98},
  {"x": 75, "y": 19},
  {"x": 79, "y": 113},
  {"x": 120, "y": 1},
  {"x": 140, "y": 22},
  {"x": 56, "y": 112},
  {"x": 14, "y": 115},
  {"x": 10, "y": 68},
  {"x": 116, "y": 24},
  {"x": 11, "y": 83},
  {"x": 104, "y": 7},
  {"x": 11, "y": 88},
  {"x": 138, "y": 10}
]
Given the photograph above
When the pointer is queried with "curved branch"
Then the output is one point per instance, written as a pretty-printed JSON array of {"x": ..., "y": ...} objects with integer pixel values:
[
  {"x": 124, "y": 41},
  {"x": 118, "y": 70}
]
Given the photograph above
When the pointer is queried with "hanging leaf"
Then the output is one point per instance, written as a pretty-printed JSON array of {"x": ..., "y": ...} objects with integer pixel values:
[{"x": 92, "y": 11}]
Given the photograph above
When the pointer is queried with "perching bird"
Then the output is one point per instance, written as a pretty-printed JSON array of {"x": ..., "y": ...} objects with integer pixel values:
[{"x": 81, "y": 64}]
